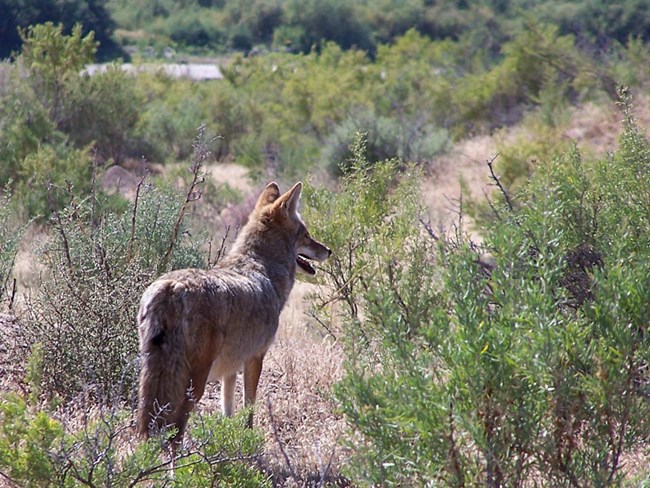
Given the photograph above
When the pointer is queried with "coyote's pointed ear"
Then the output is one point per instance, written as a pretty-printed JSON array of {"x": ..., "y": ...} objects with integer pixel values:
[
  {"x": 290, "y": 199},
  {"x": 270, "y": 194}
]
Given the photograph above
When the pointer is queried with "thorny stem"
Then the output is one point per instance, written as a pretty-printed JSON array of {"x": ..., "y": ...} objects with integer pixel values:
[
  {"x": 220, "y": 252},
  {"x": 59, "y": 226},
  {"x": 429, "y": 229},
  {"x": 129, "y": 253}
]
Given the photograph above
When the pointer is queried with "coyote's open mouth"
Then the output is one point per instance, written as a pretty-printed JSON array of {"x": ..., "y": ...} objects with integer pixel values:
[{"x": 303, "y": 264}]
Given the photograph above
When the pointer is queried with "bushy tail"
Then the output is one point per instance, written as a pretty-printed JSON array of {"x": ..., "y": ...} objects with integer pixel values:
[{"x": 165, "y": 371}]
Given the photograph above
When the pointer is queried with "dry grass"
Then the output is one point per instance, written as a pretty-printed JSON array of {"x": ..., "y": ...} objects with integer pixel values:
[{"x": 234, "y": 175}]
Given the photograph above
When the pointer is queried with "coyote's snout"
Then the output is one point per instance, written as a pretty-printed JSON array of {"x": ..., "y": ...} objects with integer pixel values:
[{"x": 197, "y": 325}]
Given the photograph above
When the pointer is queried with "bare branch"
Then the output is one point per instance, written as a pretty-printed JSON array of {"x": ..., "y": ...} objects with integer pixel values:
[
  {"x": 134, "y": 214},
  {"x": 201, "y": 153},
  {"x": 59, "y": 226},
  {"x": 429, "y": 229},
  {"x": 220, "y": 252},
  {"x": 280, "y": 444},
  {"x": 497, "y": 181},
  {"x": 495, "y": 211}
]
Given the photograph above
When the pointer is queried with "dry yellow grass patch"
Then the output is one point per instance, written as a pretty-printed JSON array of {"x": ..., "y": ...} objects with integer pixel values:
[{"x": 461, "y": 173}]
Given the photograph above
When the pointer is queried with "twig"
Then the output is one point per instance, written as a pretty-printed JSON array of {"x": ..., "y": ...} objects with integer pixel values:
[
  {"x": 328, "y": 467},
  {"x": 339, "y": 294},
  {"x": 453, "y": 450},
  {"x": 220, "y": 252},
  {"x": 57, "y": 216},
  {"x": 322, "y": 323},
  {"x": 497, "y": 181},
  {"x": 277, "y": 439},
  {"x": 13, "y": 295},
  {"x": 492, "y": 207},
  {"x": 93, "y": 192},
  {"x": 429, "y": 229},
  {"x": 134, "y": 215},
  {"x": 200, "y": 154},
  {"x": 10, "y": 480},
  {"x": 169, "y": 466}
]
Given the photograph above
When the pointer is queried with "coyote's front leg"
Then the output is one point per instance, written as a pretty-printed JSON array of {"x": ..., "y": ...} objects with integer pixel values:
[{"x": 252, "y": 371}]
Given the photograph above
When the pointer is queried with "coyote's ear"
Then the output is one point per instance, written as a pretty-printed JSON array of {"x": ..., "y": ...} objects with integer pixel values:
[
  {"x": 270, "y": 194},
  {"x": 290, "y": 199}
]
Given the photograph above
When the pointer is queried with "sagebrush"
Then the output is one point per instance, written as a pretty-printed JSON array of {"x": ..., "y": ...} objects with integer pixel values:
[{"x": 521, "y": 358}]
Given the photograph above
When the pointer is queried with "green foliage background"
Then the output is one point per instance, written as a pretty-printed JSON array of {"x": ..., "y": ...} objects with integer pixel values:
[
  {"x": 287, "y": 114},
  {"x": 300, "y": 25}
]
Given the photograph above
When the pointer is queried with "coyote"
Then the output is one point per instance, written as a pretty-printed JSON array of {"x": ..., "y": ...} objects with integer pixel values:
[{"x": 202, "y": 325}]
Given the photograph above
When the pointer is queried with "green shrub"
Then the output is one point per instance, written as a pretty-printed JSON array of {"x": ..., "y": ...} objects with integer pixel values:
[
  {"x": 105, "y": 111},
  {"x": 99, "y": 261},
  {"x": 168, "y": 124},
  {"x": 54, "y": 62},
  {"x": 24, "y": 125},
  {"x": 37, "y": 450},
  {"x": 533, "y": 61},
  {"x": 537, "y": 144},
  {"x": 51, "y": 116},
  {"x": 529, "y": 364},
  {"x": 26, "y": 440},
  {"x": 193, "y": 28},
  {"x": 49, "y": 174},
  {"x": 279, "y": 108},
  {"x": 387, "y": 138},
  {"x": 380, "y": 256},
  {"x": 82, "y": 316},
  {"x": 328, "y": 21}
]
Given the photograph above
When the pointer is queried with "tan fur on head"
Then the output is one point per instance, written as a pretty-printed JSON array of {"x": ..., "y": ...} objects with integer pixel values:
[
  {"x": 270, "y": 194},
  {"x": 286, "y": 207}
]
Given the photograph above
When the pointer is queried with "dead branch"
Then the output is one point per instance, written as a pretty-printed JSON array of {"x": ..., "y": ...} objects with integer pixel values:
[
  {"x": 497, "y": 182},
  {"x": 280, "y": 444},
  {"x": 134, "y": 214},
  {"x": 201, "y": 153}
]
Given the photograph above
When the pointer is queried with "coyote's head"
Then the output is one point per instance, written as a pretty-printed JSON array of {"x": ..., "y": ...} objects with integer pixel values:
[{"x": 280, "y": 211}]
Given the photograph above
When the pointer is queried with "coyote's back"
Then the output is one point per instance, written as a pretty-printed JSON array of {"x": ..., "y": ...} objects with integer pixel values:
[{"x": 199, "y": 325}]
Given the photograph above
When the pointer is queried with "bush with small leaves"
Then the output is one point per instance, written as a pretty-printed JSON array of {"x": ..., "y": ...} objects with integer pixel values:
[
  {"x": 529, "y": 364},
  {"x": 11, "y": 232},
  {"x": 95, "y": 447},
  {"x": 98, "y": 262}
]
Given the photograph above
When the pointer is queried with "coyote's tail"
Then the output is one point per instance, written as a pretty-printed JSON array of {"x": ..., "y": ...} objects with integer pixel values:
[{"x": 164, "y": 372}]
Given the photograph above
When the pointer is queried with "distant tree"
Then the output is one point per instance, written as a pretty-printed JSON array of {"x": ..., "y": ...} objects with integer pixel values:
[{"x": 91, "y": 14}]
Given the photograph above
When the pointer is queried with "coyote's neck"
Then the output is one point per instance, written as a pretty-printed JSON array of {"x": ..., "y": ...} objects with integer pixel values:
[{"x": 260, "y": 249}]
